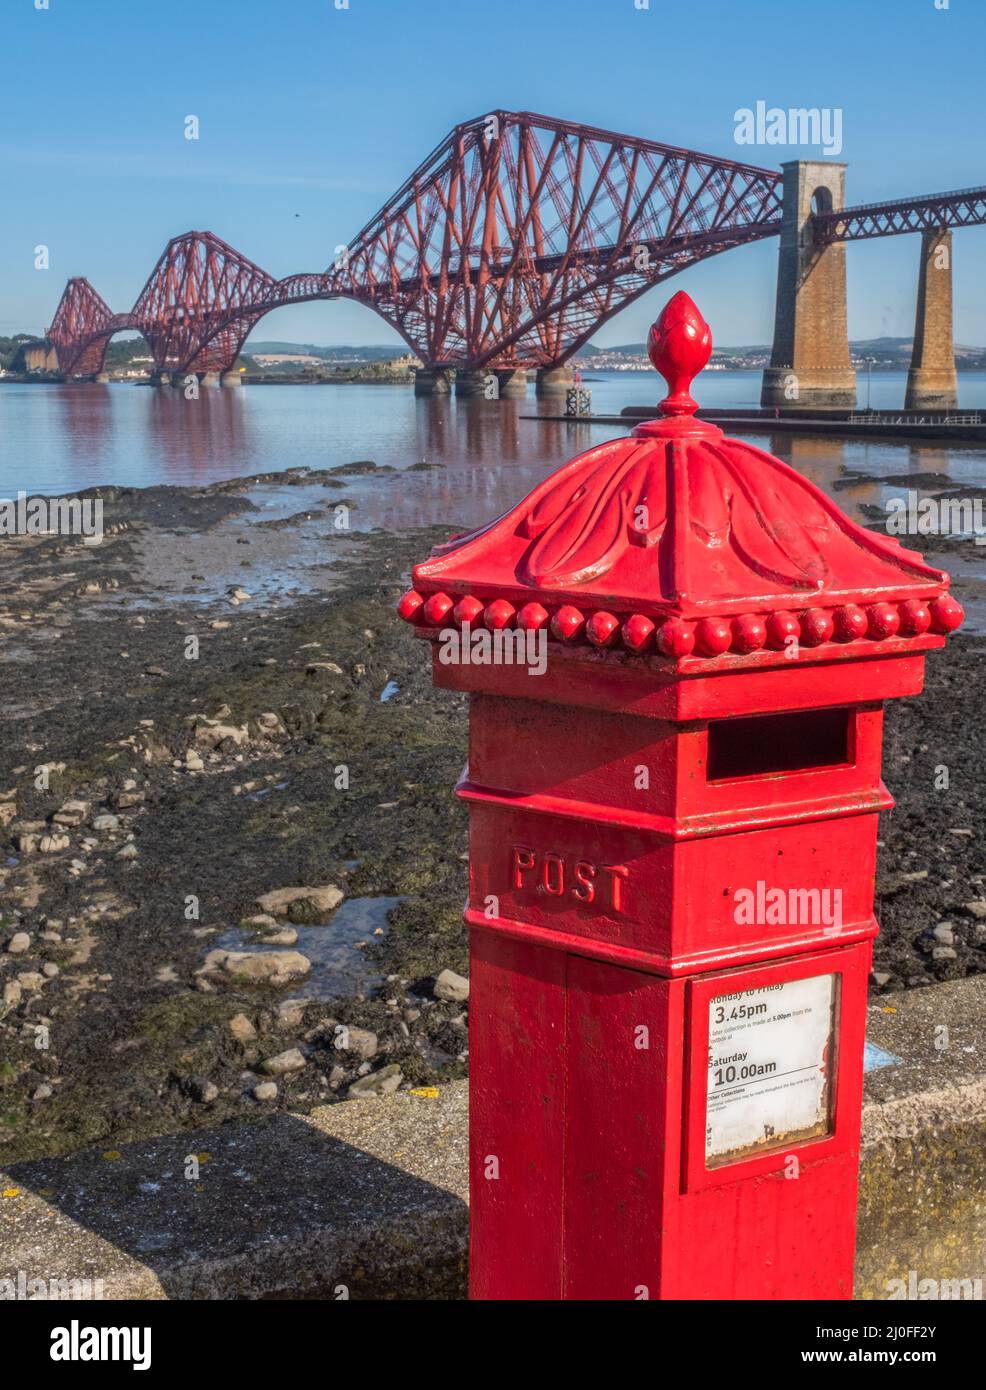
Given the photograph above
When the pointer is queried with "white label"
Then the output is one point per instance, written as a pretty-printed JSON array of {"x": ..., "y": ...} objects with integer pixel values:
[{"x": 770, "y": 1051}]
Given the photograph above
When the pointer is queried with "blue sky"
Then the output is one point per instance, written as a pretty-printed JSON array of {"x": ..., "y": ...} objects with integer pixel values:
[{"x": 312, "y": 110}]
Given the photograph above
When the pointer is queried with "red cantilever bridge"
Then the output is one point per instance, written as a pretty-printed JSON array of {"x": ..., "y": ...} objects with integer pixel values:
[{"x": 514, "y": 241}]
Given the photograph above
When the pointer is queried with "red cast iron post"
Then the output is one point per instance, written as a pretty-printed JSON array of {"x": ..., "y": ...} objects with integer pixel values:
[{"x": 672, "y": 845}]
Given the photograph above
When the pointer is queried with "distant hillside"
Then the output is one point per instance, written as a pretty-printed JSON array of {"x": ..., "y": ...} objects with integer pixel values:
[
  {"x": 345, "y": 353},
  {"x": 887, "y": 353}
]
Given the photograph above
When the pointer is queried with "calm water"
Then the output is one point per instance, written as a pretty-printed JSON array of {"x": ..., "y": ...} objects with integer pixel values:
[{"x": 64, "y": 438}]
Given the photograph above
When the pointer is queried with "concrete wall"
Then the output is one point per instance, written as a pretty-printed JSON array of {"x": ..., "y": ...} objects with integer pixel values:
[{"x": 367, "y": 1199}]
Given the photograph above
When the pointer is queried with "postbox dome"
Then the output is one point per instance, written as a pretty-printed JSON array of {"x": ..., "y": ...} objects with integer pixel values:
[{"x": 680, "y": 543}]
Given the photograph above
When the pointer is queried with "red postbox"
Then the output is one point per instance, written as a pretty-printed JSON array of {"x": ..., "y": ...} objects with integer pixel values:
[{"x": 677, "y": 651}]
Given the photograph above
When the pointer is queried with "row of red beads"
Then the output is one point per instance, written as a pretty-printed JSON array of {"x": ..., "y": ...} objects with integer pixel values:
[{"x": 676, "y": 637}]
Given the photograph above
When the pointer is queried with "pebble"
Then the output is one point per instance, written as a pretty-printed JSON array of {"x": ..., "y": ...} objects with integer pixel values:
[
  {"x": 267, "y": 966},
  {"x": 266, "y": 1090},
  {"x": 129, "y": 851},
  {"x": 72, "y": 814},
  {"x": 451, "y": 987},
  {"x": 362, "y": 1042},
  {"x": 213, "y": 734},
  {"x": 193, "y": 762},
  {"x": 53, "y": 844},
  {"x": 204, "y": 1091},
  {"x": 19, "y": 943},
  {"x": 291, "y": 1013},
  {"x": 284, "y": 1063},
  {"x": 379, "y": 1083},
  {"x": 944, "y": 953},
  {"x": 261, "y": 922},
  {"x": 43, "y": 1092},
  {"x": 106, "y": 822},
  {"x": 976, "y": 909},
  {"x": 943, "y": 934},
  {"x": 241, "y": 1028},
  {"x": 50, "y": 969},
  {"x": 278, "y": 902},
  {"x": 284, "y": 936}
]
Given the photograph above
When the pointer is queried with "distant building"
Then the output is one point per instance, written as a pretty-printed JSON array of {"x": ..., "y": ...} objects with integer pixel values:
[
  {"x": 38, "y": 355},
  {"x": 274, "y": 359}
]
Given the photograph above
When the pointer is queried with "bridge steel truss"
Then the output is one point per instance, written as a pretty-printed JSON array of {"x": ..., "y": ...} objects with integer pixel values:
[
  {"x": 509, "y": 246},
  {"x": 934, "y": 212}
]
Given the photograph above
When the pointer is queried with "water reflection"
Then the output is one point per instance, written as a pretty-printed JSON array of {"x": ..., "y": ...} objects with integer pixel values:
[
  {"x": 456, "y": 462},
  {"x": 191, "y": 439},
  {"x": 85, "y": 416}
]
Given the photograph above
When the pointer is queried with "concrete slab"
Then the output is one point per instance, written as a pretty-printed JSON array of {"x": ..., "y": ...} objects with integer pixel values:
[
  {"x": 367, "y": 1199},
  {"x": 922, "y": 1197}
]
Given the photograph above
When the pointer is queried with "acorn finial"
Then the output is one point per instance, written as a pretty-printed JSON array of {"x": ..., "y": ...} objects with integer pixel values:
[{"x": 679, "y": 345}]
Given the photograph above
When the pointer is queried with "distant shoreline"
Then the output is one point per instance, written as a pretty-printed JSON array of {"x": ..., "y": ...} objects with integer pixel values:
[{"x": 589, "y": 374}]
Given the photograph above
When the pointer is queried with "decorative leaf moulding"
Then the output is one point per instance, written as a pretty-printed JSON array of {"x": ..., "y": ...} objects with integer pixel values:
[{"x": 677, "y": 541}]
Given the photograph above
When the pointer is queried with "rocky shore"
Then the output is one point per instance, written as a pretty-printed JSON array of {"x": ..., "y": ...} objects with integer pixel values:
[{"x": 231, "y": 865}]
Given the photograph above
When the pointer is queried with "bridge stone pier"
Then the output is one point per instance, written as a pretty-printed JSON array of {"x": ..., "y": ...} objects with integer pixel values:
[
  {"x": 470, "y": 384},
  {"x": 554, "y": 381},
  {"x": 931, "y": 382},
  {"x": 810, "y": 366},
  {"x": 512, "y": 383},
  {"x": 432, "y": 381}
]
